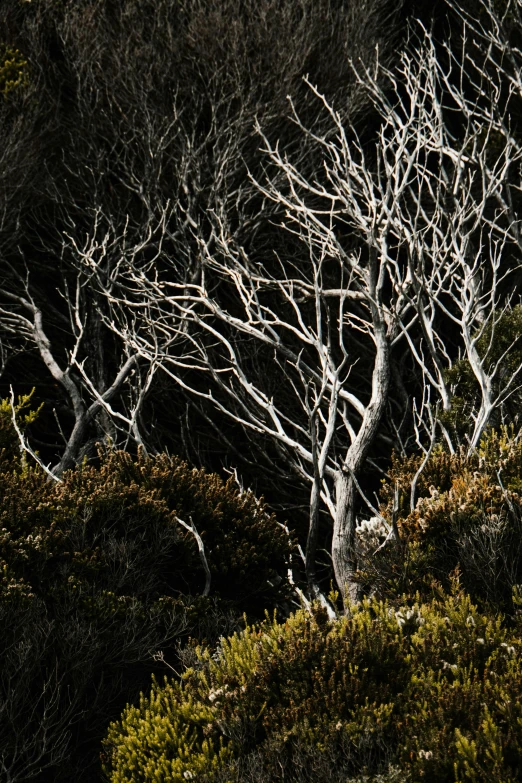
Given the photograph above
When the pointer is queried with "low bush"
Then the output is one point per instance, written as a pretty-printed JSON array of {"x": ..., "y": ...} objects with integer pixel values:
[
  {"x": 98, "y": 578},
  {"x": 467, "y": 515},
  {"x": 408, "y": 692}
]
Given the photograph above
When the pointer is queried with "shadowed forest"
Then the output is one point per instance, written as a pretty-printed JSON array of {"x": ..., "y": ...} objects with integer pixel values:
[{"x": 260, "y": 391}]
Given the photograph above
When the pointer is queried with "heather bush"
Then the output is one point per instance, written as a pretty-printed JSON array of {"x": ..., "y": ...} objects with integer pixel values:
[
  {"x": 116, "y": 525},
  {"x": 100, "y": 585},
  {"x": 25, "y": 416},
  {"x": 467, "y": 515},
  {"x": 405, "y": 691}
]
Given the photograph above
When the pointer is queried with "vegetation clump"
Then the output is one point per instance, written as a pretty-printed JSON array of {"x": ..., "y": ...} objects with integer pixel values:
[
  {"x": 466, "y": 515},
  {"x": 428, "y": 688},
  {"x": 281, "y": 238},
  {"x": 100, "y": 583},
  {"x": 14, "y": 70}
]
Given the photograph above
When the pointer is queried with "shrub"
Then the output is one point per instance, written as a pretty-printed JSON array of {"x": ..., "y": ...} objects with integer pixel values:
[
  {"x": 69, "y": 658},
  {"x": 97, "y": 576},
  {"x": 115, "y": 526},
  {"x": 467, "y": 516},
  {"x": 14, "y": 70},
  {"x": 25, "y": 416},
  {"x": 429, "y": 689}
]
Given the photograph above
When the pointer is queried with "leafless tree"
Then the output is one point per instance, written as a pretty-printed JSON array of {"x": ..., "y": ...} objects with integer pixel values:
[
  {"x": 118, "y": 152},
  {"x": 398, "y": 240},
  {"x": 399, "y": 237}
]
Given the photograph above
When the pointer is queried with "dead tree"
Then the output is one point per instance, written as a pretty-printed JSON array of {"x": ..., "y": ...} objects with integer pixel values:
[
  {"x": 132, "y": 128},
  {"x": 21, "y": 315},
  {"x": 397, "y": 240}
]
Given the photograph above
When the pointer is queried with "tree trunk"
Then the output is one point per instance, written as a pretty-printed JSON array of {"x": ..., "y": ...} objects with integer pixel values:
[
  {"x": 311, "y": 542},
  {"x": 344, "y": 537},
  {"x": 343, "y": 541},
  {"x": 313, "y": 528}
]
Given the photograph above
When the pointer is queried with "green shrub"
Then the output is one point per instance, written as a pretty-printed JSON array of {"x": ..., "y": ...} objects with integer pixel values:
[
  {"x": 122, "y": 515},
  {"x": 25, "y": 416},
  {"x": 432, "y": 688},
  {"x": 467, "y": 516},
  {"x": 14, "y": 70},
  {"x": 97, "y": 576}
]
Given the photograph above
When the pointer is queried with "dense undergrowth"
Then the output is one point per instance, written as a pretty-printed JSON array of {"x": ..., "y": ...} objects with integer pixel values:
[
  {"x": 102, "y": 587},
  {"x": 188, "y": 261},
  {"x": 430, "y": 688},
  {"x": 100, "y": 584},
  {"x": 421, "y": 681}
]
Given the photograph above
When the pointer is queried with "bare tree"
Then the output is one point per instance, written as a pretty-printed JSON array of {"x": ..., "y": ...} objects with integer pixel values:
[
  {"x": 20, "y": 314},
  {"x": 132, "y": 129},
  {"x": 399, "y": 237},
  {"x": 458, "y": 221},
  {"x": 405, "y": 245}
]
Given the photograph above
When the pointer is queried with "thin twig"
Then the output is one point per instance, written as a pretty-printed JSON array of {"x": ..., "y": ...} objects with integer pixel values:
[
  {"x": 201, "y": 548},
  {"x": 25, "y": 446}
]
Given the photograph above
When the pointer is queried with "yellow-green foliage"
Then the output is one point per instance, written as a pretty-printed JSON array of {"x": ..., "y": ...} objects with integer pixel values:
[
  {"x": 175, "y": 727},
  {"x": 25, "y": 416},
  {"x": 14, "y": 70},
  {"x": 434, "y": 688},
  {"x": 467, "y": 514}
]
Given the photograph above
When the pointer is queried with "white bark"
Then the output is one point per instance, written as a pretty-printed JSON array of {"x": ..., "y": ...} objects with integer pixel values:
[
  {"x": 22, "y": 312},
  {"x": 201, "y": 549},
  {"x": 397, "y": 241}
]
